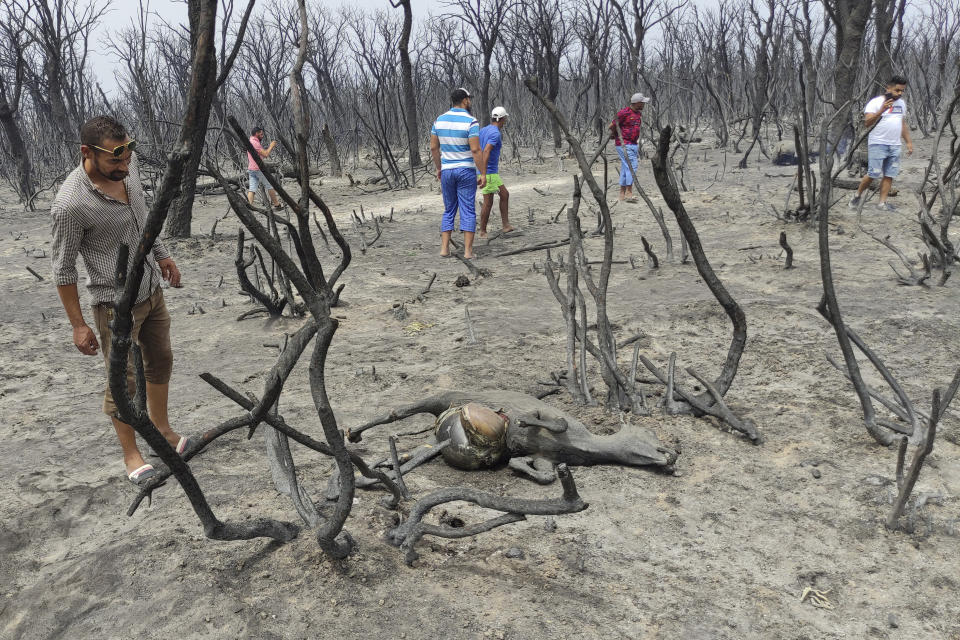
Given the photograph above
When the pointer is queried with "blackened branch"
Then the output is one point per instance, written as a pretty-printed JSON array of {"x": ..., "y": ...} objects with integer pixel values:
[{"x": 409, "y": 532}]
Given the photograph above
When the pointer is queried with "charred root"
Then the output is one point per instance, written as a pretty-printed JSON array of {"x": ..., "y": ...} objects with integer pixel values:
[{"x": 413, "y": 529}]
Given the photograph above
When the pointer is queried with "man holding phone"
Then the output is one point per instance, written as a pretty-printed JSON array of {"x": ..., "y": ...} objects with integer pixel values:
[
  {"x": 253, "y": 169},
  {"x": 886, "y": 114}
]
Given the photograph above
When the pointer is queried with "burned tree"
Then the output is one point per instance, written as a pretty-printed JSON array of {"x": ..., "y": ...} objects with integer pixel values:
[
  {"x": 323, "y": 58},
  {"x": 849, "y": 19},
  {"x": 486, "y": 18},
  {"x": 623, "y": 391},
  {"x": 544, "y": 35},
  {"x": 634, "y": 23},
  {"x": 131, "y": 47},
  {"x": 712, "y": 402},
  {"x": 409, "y": 95},
  {"x": 213, "y": 76},
  {"x": 12, "y": 73},
  {"x": 758, "y": 89},
  {"x": 940, "y": 189},
  {"x": 905, "y": 483},
  {"x": 592, "y": 27},
  {"x": 887, "y": 14},
  {"x": 61, "y": 30}
]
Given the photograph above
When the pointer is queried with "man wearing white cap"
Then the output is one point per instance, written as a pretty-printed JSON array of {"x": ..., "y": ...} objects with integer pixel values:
[
  {"x": 491, "y": 143},
  {"x": 625, "y": 130}
]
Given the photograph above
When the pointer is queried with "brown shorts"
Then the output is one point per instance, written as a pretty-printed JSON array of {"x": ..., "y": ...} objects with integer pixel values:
[{"x": 151, "y": 330}]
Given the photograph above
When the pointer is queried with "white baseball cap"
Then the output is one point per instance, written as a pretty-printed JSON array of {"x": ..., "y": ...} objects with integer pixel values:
[
  {"x": 498, "y": 113},
  {"x": 638, "y": 97}
]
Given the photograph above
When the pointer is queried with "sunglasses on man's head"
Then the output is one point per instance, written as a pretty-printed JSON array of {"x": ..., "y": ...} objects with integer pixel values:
[{"x": 118, "y": 150}]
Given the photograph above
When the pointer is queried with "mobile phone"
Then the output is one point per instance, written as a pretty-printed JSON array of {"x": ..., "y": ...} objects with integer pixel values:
[{"x": 888, "y": 96}]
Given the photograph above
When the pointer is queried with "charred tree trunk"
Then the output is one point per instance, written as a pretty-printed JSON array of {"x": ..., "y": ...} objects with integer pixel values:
[
  {"x": 17, "y": 149},
  {"x": 58, "y": 109},
  {"x": 886, "y": 15},
  {"x": 336, "y": 168},
  {"x": 485, "y": 107},
  {"x": 205, "y": 68},
  {"x": 10, "y": 94},
  {"x": 850, "y": 18},
  {"x": 409, "y": 96}
]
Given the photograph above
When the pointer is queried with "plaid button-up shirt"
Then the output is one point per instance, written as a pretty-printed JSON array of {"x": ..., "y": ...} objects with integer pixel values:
[
  {"x": 89, "y": 222},
  {"x": 629, "y": 122}
]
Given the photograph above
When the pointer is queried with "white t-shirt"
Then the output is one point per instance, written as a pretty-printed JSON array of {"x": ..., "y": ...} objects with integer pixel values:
[{"x": 890, "y": 128}]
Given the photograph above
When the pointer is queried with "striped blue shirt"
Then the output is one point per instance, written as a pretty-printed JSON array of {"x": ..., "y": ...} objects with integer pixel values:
[{"x": 454, "y": 130}]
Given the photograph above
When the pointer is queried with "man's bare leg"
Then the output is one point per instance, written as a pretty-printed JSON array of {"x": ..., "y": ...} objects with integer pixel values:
[
  {"x": 885, "y": 185},
  {"x": 485, "y": 212},
  {"x": 504, "y": 209},
  {"x": 273, "y": 197},
  {"x": 132, "y": 458},
  {"x": 250, "y": 196},
  {"x": 864, "y": 185},
  {"x": 444, "y": 243},
  {"x": 468, "y": 244},
  {"x": 157, "y": 395},
  {"x": 623, "y": 193}
]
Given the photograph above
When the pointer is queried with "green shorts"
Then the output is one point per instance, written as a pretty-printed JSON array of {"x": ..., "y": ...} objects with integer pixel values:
[{"x": 493, "y": 184}]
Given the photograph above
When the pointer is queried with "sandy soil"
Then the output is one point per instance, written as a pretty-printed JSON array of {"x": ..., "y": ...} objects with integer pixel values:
[{"x": 723, "y": 550}]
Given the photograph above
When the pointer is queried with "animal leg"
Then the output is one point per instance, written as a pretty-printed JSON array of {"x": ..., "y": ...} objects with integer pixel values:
[
  {"x": 553, "y": 425},
  {"x": 540, "y": 470}
]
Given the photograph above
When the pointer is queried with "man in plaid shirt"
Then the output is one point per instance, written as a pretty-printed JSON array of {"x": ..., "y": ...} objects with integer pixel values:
[
  {"x": 625, "y": 130},
  {"x": 99, "y": 207}
]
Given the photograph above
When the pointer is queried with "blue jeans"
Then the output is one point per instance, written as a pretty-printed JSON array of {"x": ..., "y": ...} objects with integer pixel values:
[
  {"x": 883, "y": 160},
  {"x": 631, "y": 151},
  {"x": 459, "y": 187}
]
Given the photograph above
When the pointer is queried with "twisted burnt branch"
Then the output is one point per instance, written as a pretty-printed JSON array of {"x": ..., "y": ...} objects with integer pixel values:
[
  {"x": 710, "y": 407},
  {"x": 413, "y": 529},
  {"x": 788, "y": 264},
  {"x": 906, "y": 483},
  {"x": 420, "y": 457},
  {"x": 671, "y": 196},
  {"x": 278, "y": 423},
  {"x": 273, "y": 305},
  {"x": 649, "y": 251}
]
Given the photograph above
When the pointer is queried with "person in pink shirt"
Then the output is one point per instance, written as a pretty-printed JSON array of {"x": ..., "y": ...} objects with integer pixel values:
[{"x": 256, "y": 176}]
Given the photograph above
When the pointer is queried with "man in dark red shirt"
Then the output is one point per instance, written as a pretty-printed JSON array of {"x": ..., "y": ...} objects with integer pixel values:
[{"x": 625, "y": 130}]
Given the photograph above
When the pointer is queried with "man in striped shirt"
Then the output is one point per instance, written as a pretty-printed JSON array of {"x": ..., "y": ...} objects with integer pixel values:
[
  {"x": 455, "y": 147},
  {"x": 99, "y": 207}
]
